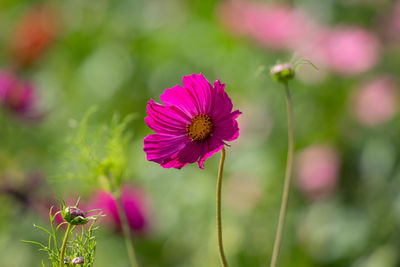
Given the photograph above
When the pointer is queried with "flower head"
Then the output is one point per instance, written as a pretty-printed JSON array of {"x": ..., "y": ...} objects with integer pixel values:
[
  {"x": 134, "y": 204},
  {"x": 78, "y": 260},
  {"x": 349, "y": 50},
  {"x": 192, "y": 125},
  {"x": 283, "y": 72},
  {"x": 74, "y": 215},
  {"x": 318, "y": 169},
  {"x": 34, "y": 33},
  {"x": 376, "y": 101},
  {"x": 16, "y": 95},
  {"x": 273, "y": 25}
]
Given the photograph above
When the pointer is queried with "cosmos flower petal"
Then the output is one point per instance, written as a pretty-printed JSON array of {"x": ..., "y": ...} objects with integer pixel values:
[
  {"x": 133, "y": 204},
  {"x": 202, "y": 91},
  {"x": 190, "y": 153},
  {"x": 182, "y": 98},
  {"x": 222, "y": 104},
  {"x": 166, "y": 119},
  {"x": 211, "y": 146},
  {"x": 161, "y": 147},
  {"x": 228, "y": 129}
]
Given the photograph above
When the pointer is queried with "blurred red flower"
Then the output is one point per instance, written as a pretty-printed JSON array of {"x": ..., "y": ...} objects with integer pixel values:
[{"x": 34, "y": 33}]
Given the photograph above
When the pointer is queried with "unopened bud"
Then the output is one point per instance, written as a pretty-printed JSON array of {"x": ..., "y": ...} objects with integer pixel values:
[
  {"x": 78, "y": 260},
  {"x": 282, "y": 72},
  {"x": 67, "y": 260},
  {"x": 74, "y": 216}
]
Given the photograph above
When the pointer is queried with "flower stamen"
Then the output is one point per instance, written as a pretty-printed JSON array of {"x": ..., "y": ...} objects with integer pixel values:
[{"x": 200, "y": 128}]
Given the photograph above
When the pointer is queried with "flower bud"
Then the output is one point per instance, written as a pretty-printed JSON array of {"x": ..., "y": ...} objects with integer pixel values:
[
  {"x": 74, "y": 216},
  {"x": 78, "y": 260},
  {"x": 67, "y": 260},
  {"x": 282, "y": 72}
]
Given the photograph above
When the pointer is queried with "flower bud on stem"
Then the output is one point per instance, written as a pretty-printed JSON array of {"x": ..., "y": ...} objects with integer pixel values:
[{"x": 283, "y": 73}]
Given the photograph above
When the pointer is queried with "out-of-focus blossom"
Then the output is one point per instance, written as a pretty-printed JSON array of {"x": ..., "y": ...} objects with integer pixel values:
[
  {"x": 375, "y": 101},
  {"x": 317, "y": 171},
  {"x": 345, "y": 50},
  {"x": 33, "y": 34},
  {"x": 276, "y": 26},
  {"x": 24, "y": 188},
  {"x": 17, "y": 96},
  {"x": 134, "y": 203}
]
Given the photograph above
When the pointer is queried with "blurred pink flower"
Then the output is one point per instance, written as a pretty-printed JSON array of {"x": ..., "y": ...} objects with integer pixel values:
[
  {"x": 17, "y": 96},
  {"x": 33, "y": 34},
  {"x": 135, "y": 206},
  {"x": 276, "y": 26},
  {"x": 317, "y": 171},
  {"x": 348, "y": 50},
  {"x": 376, "y": 101}
]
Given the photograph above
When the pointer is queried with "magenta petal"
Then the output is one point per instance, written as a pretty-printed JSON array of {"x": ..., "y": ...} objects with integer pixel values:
[
  {"x": 227, "y": 129},
  {"x": 222, "y": 104},
  {"x": 211, "y": 146},
  {"x": 161, "y": 147},
  {"x": 201, "y": 89},
  {"x": 190, "y": 153},
  {"x": 181, "y": 97},
  {"x": 166, "y": 119},
  {"x": 132, "y": 203}
]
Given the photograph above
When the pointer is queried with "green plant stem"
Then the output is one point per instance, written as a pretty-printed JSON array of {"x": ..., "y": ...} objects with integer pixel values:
[
  {"x": 127, "y": 234},
  {"x": 288, "y": 175},
  {"x": 64, "y": 245},
  {"x": 219, "y": 221}
]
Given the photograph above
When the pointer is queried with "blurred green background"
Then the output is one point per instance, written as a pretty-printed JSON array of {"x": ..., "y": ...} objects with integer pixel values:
[{"x": 344, "y": 208}]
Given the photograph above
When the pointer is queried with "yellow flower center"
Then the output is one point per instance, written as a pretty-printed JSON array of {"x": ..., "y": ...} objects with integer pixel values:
[{"x": 200, "y": 128}]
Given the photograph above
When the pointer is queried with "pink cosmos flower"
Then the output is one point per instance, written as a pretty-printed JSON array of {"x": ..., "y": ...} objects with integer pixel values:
[
  {"x": 317, "y": 171},
  {"x": 376, "y": 101},
  {"x": 350, "y": 50},
  {"x": 134, "y": 203},
  {"x": 16, "y": 95},
  {"x": 192, "y": 125},
  {"x": 275, "y": 26}
]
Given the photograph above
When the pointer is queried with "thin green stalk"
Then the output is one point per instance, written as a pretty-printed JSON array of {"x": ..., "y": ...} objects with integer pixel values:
[
  {"x": 64, "y": 245},
  {"x": 127, "y": 234},
  {"x": 288, "y": 175},
  {"x": 219, "y": 222}
]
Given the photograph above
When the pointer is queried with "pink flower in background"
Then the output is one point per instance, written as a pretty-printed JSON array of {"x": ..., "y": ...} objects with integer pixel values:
[
  {"x": 376, "y": 101},
  {"x": 275, "y": 26},
  {"x": 348, "y": 50},
  {"x": 317, "y": 171},
  {"x": 34, "y": 33},
  {"x": 192, "y": 125},
  {"x": 134, "y": 203},
  {"x": 16, "y": 95}
]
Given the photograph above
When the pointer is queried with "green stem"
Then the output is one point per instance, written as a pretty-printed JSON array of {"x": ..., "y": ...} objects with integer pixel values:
[
  {"x": 219, "y": 222},
  {"x": 288, "y": 175},
  {"x": 64, "y": 245},
  {"x": 127, "y": 234}
]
